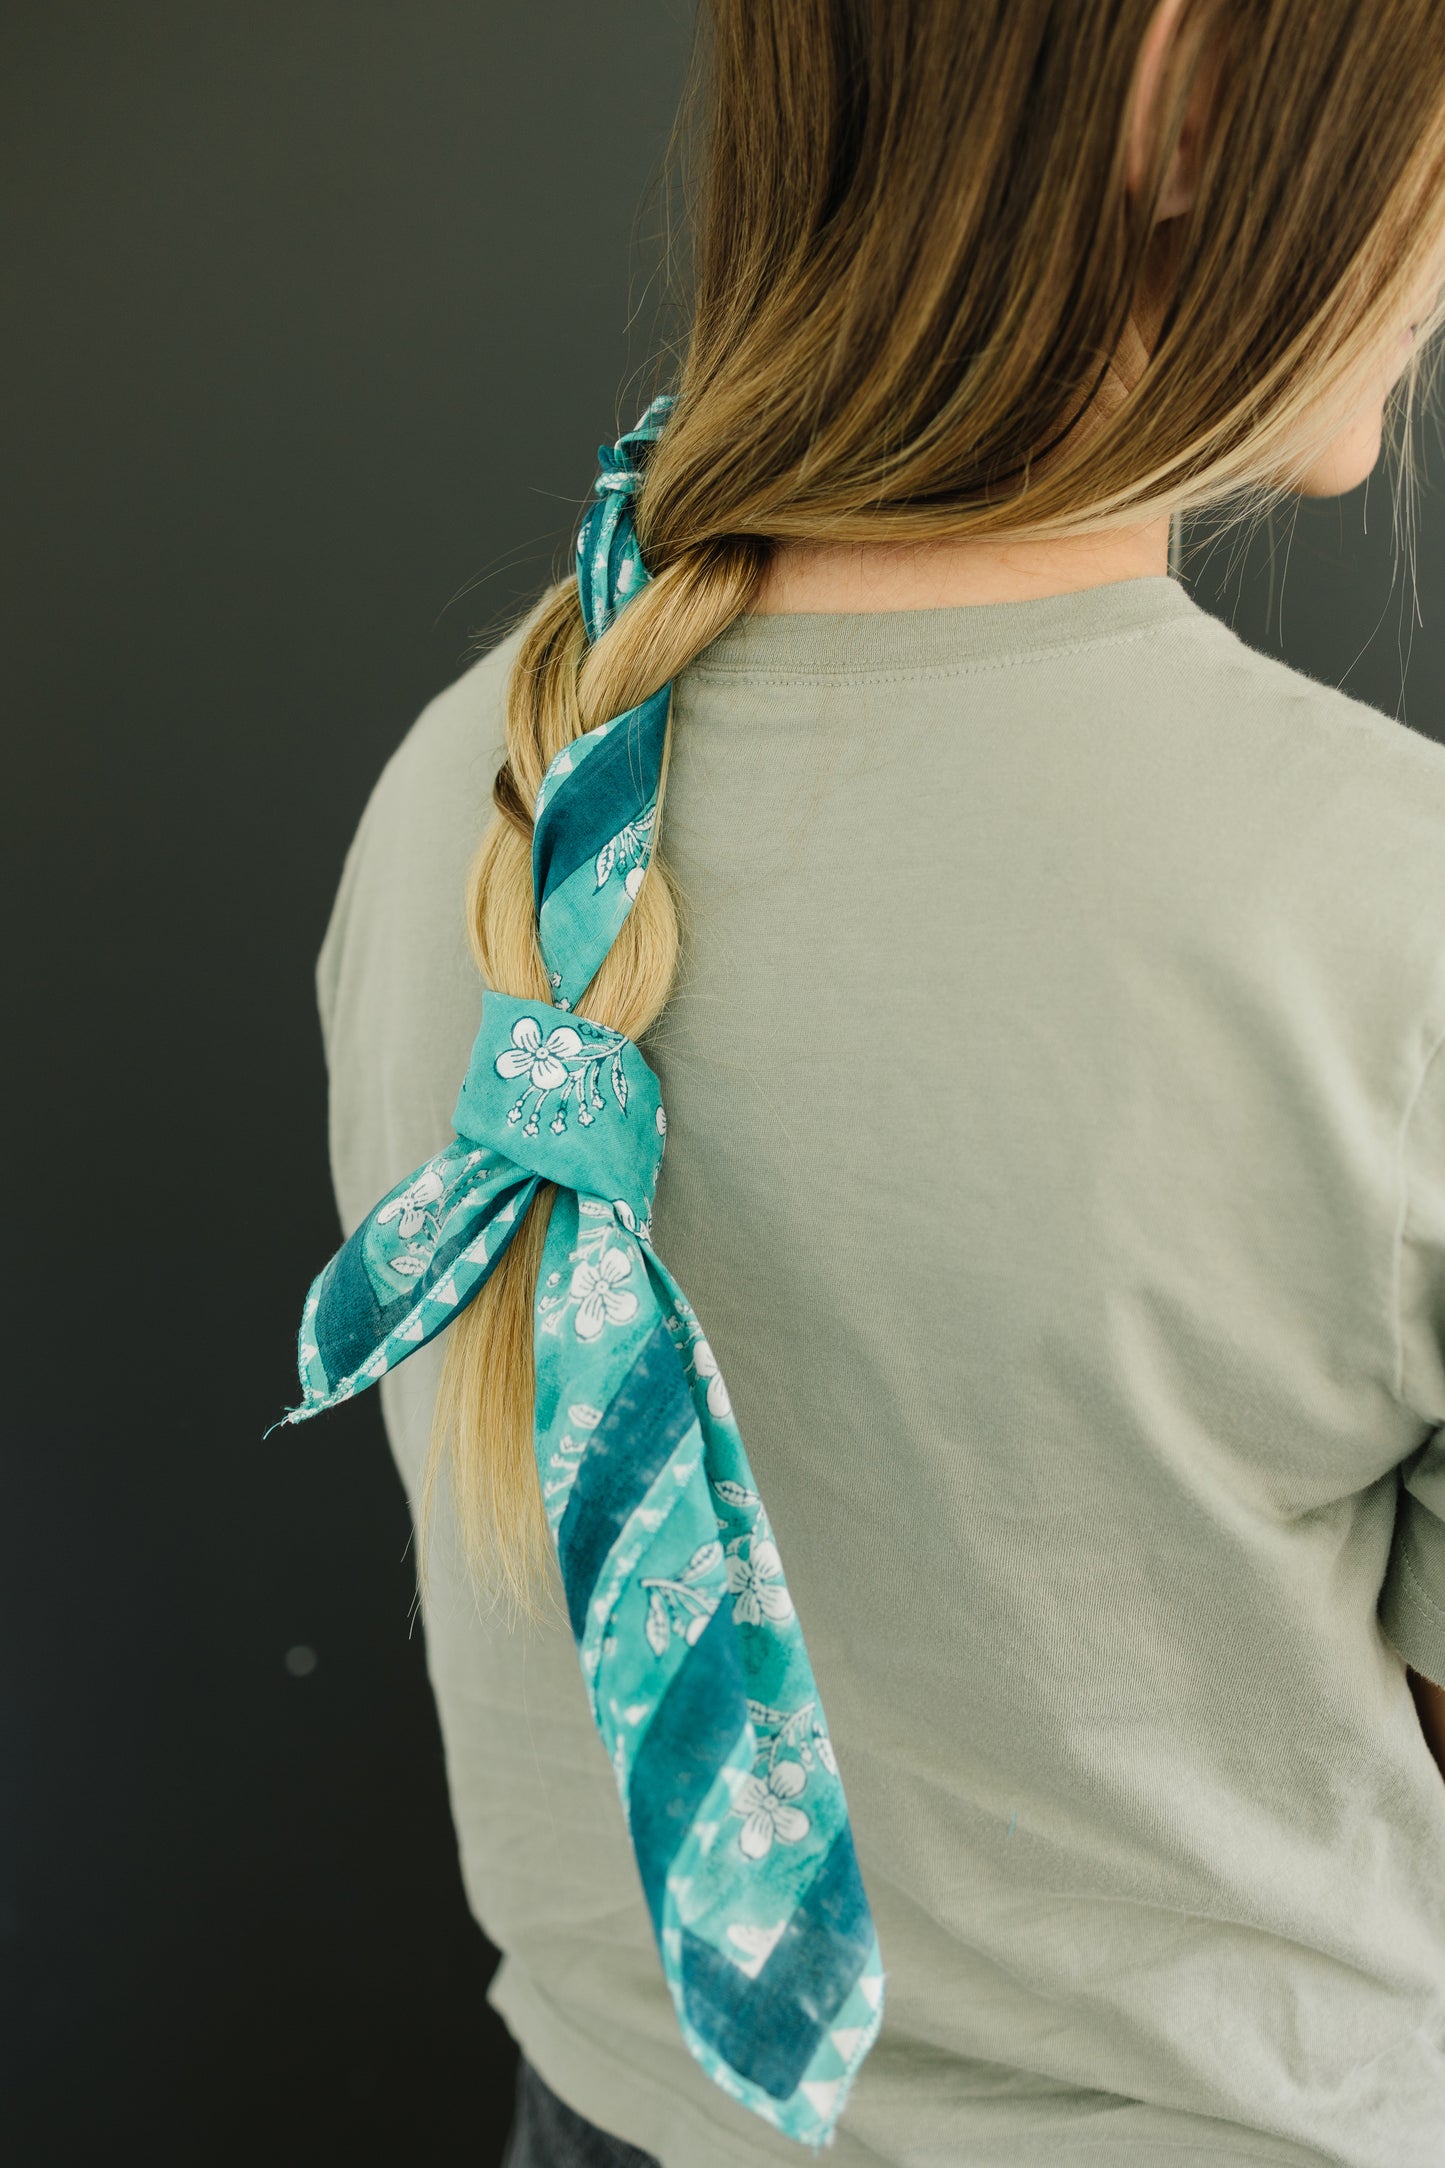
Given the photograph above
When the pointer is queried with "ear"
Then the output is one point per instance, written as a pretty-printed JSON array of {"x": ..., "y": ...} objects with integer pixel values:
[{"x": 1180, "y": 181}]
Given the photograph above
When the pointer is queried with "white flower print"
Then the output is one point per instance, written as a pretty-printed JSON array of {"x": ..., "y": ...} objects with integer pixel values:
[
  {"x": 801, "y": 1729},
  {"x": 410, "y": 1208},
  {"x": 600, "y": 1301},
  {"x": 566, "y": 1063},
  {"x": 678, "y": 1605},
  {"x": 542, "y": 1061},
  {"x": 763, "y": 1803},
  {"x": 642, "y": 1228},
  {"x": 756, "y": 1582},
  {"x": 717, "y": 1392},
  {"x": 628, "y": 845},
  {"x": 419, "y": 1213},
  {"x": 592, "y": 1293}
]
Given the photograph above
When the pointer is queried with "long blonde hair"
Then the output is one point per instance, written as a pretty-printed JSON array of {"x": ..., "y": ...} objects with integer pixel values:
[{"x": 914, "y": 259}]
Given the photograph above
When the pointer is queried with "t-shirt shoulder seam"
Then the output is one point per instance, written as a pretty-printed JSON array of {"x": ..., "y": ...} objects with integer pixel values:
[{"x": 1345, "y": 708}]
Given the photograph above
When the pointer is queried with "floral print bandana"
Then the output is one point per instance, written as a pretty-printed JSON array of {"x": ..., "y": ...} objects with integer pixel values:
[{"x": 691, "y": 1651}]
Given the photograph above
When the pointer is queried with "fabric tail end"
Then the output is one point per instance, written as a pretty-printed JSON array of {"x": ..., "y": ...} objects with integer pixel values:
[{"x": 302, "y": 1414}]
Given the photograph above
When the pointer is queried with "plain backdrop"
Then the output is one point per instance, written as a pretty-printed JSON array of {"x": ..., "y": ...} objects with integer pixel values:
[{"x": 314, "y": 315}]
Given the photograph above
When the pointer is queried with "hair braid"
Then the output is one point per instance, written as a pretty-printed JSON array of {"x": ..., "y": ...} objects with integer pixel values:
[{"x": 559, "y": 688}]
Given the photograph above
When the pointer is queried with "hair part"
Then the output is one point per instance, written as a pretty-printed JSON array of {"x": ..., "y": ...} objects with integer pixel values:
[{"x": 924, "y": 303}]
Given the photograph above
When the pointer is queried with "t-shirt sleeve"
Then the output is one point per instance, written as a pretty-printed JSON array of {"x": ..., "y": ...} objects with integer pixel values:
[
  {"x": 1412, "y": 1600},
  {"x": 398, "y": 993},
  {"x": 333, "y": 946}
]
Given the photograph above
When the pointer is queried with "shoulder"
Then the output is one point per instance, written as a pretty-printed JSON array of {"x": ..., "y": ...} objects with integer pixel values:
[
  {"x": 430, "y": 804},
  {"x": 397, "y": 989},
  {"x": 1340, "y": 806},
  {"x": 440, "y": 775},
  {"x": 1295, "y": 711}
]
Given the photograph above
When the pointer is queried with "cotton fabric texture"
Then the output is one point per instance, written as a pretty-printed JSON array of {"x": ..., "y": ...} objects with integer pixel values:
[
  {"x": 1057, "y": 1156},
  {"x": 697, "y": 1673}
]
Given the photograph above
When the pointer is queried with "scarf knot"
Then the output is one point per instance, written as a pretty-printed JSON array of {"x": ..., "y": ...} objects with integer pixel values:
[{"x": 567, "y": 1100}]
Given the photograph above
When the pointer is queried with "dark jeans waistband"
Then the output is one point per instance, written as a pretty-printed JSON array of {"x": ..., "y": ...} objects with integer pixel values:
[{"x": 546, "y": 2133}]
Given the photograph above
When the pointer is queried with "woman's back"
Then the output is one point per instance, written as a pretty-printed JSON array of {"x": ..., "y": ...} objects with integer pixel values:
[{"x": 1057, "y": 1171}]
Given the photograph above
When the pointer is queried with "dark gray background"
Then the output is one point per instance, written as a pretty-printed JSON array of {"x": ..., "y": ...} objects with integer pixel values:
[{"x": 314, "y": 315}]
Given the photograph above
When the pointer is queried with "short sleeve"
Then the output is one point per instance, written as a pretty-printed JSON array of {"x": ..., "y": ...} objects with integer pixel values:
[
  {"x": 333, "y": 946},
  {"x": 1412, "y": 1599},
  {"x": 398, "y": 993}
]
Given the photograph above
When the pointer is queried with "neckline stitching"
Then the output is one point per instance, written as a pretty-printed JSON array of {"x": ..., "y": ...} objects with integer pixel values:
[{"x": 897, "y": 672}]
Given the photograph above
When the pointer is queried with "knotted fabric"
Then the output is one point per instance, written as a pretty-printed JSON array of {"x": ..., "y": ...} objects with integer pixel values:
[{"x": 690, "y": 1646}]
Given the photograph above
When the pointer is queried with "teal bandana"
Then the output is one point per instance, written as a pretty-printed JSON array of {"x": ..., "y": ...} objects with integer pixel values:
[{"x": 693, "y": 1658}]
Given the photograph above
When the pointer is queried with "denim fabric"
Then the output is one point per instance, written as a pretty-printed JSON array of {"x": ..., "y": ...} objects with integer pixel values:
[{"x": 546, "y": 2133}]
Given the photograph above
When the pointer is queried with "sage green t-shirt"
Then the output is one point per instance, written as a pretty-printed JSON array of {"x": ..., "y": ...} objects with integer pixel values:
[{"x": 1056, "y": 1162}]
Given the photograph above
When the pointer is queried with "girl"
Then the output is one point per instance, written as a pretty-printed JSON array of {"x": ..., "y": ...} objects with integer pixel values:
[{"x": 1046, "y": 994}]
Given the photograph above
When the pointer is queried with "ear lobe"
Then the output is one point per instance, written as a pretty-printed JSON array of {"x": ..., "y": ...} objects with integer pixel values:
[{"x": 1178, "y": 191}]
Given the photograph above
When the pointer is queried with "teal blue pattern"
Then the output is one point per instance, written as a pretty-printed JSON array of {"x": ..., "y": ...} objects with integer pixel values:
[{"x": 690, "y": 1645}]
